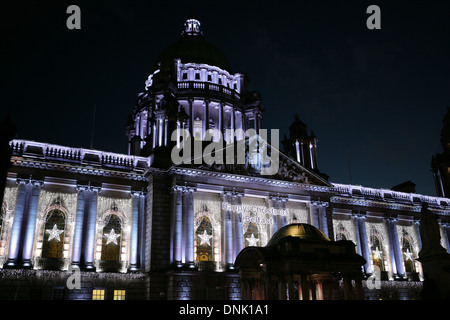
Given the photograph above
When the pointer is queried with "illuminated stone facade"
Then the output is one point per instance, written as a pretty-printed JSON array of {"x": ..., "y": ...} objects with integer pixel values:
[{"x": 139, "y": 227}]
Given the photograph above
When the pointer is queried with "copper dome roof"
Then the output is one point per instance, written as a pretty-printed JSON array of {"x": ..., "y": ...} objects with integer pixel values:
[
  {"x": 299, "y": 230},
  {"x": 192, "y": 47}
]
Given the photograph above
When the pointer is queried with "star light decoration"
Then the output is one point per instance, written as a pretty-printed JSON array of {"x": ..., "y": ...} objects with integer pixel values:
[
  {"x": 111, "y": 237},
  {"x": 204, "y": 238},
  {"x": 54, "y": 233},
  {"x": 408, "y": 255},
  {"x": 252, "y": 241},
  {"x": 377, "y": 253}
]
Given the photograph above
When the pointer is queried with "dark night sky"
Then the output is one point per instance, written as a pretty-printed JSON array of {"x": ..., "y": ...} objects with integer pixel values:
[{"x": 377, "y": 95}]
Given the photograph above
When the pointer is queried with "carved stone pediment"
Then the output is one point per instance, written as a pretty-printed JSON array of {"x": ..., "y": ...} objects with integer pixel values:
[{"x": 288, "y": 169}]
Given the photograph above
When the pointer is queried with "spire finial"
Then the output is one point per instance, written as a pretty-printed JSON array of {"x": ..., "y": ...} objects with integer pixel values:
[{"x": 192, "y": 26}]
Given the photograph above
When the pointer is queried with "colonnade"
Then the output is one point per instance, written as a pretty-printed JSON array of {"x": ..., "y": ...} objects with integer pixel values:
[{"x": 23, "y": 231}]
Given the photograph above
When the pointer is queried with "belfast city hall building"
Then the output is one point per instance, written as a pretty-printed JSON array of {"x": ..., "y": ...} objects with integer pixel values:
[{"x": 191, "y": 210}]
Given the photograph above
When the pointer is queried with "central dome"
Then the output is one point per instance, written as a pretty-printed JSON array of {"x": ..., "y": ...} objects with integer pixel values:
[
  {"x": 299, "y": 230},
  {"x": 192, "y": 47}
]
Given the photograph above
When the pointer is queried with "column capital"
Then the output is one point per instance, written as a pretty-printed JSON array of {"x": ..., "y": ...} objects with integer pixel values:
[
  {"x": 234, "y": 192},
  {"x": 278, "y": 197},
  {"x": 359, "y": 214},
  {"x": 188, "y": 189},
  {"x": 22, "y": 181},
  {"x": 30, "y": 180},
  {"x": 87, "y": 187},
  {"x": 81, "y": 188},
  {"x": 319, "y": 203},
  {"x": 137, "y": 193},
  {"x": 391, "y": 218},
  {"x": 38, "y": 183}
]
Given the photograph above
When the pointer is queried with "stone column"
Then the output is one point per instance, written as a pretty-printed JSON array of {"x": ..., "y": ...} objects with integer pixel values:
[
  {"x": 446, "y": 234},
  {"x": 329, "y": 221},
  {"x": 319, "y": 289},
  {"x": 359, "y": 288},
  {"x": 282, "y": 207},
  {"x": 238, "y": 228},
  {"x": 89, "y": 246},
  {"x": 363, "y": 241},
  {"x": 395, "y": 246},
  {"x": 79, "y": 223},
  {"x": 273, "y": 202},
  {"x": 16, "y": 231},
  {"x": 281, "y": 287},
  {"x": 228, "y": 231},
  {"x": 221, "y": 126},
  {"x": 134, "y": 236},
  {"x": 290, "y": 284},
  {"x": 348, "y": 288},
  {"x": 417, "y": 224},
  {"x": 142, "y": 229},
  {"x": 31, "y": 223},
  {"x": 177, "y": 226},
  {"x": 320, "y": 216},
  {"x": 304, "y": 286},
  {"x": 191, "y": 117},
  {"x": 206, "y": 116},
  {"x": 188, "y": 222},
  {"x": 314, "y": 213}
]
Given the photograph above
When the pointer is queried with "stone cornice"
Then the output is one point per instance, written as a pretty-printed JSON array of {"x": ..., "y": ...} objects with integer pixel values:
[
  {"x": 248, "y": 179},
  {"x": 77, "y": 160}
]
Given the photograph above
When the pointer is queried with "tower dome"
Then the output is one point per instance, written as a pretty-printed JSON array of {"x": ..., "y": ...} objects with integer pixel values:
[
  {"x": 192, "y": 47},
  {"x": 299, "y": 230}
]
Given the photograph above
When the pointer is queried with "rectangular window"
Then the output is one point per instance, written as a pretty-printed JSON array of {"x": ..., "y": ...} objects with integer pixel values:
[
  {"x": 98, "y": 294},
  {"x": 185, "y": 75},
  {"x": 197, "y": 76},
  {"x": 119, "y": 294}
]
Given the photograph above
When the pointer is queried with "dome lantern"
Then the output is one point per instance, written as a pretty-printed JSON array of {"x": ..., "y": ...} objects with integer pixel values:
[{"x": 192, "y": 28}]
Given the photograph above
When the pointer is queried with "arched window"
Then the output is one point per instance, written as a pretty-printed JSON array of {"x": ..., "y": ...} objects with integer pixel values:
[
  {"x": 341, "y": 236},
  {"x": 112, "y": 238},
  {"x": 407, "y": 252},
  {"x": 54, "y": 234},
  {"x": 251, "y": 236},
  {"x": 204, "y": 240},
  {"x": 341, "y": 233},
  {"x": 377, "y": 252}
]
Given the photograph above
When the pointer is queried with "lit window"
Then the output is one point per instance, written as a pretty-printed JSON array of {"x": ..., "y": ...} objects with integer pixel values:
[
  {"x": 119, "y": 294},
  {"x": 198, "y": 130},
  {"x": 54, "y": 232},
  {"x": 98, "y": 294},
  {"x": 111, "y": 240},
  {"x": 203, "y": 242},
  {"x": 408, "y": 255},
  {"x": 378, "y": 256},
  {"x": 251, "y": 236}
]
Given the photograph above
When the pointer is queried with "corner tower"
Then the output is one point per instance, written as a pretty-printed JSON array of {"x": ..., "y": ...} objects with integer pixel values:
[{"x": 191, "y": 87}]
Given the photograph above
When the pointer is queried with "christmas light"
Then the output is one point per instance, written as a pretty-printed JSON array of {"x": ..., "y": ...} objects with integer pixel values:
[
  {"x": 111, "y": 237},
  {"x": 377, "y": 253},
  {"x": 54, "y": 233},
  {"x": 408, "y": 255},
  {"x": 204, "y": 238},
  {"x": 252, "y": 241}
]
